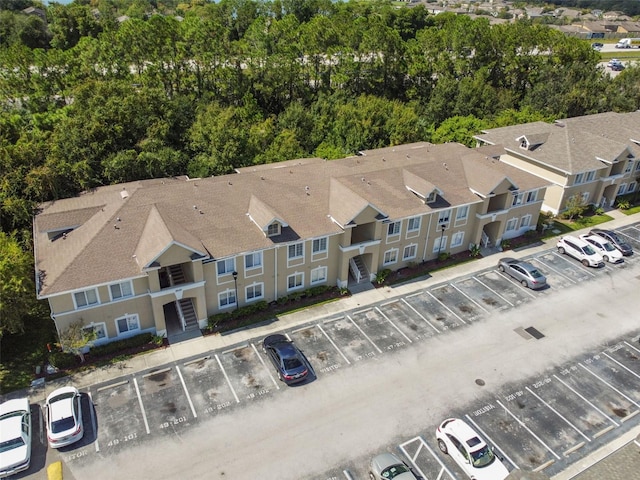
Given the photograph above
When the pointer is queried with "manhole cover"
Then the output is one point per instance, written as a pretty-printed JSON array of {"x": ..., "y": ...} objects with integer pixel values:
[{"x": 480, "y": 382}]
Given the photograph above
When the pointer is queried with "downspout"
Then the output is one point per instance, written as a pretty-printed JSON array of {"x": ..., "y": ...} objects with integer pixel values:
[
  {"x": 275, "y": 289},
  {"x": 426, "y": 240}
]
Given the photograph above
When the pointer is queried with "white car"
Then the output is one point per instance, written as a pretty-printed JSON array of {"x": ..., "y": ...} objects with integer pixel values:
[
  {"x": 15, "y": 436},
  {"x": 63, "y": 410},
  {"x": 580, "y": 250},
  {"x": 469, "y": 451},
  {"x": 604, "y": 247}
]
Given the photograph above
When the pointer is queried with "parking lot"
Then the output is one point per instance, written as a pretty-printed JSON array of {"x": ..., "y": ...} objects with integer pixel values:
[{"x": 542, "y": 425}]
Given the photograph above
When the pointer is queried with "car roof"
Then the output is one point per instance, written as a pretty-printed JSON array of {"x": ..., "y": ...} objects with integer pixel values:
[
  {"x": 15, "y": 405},
  {"x": 60, "y": 408},
  {"x": 595, "y": 238},
  {"x": 577, "y": 240},
  {"x": 465, "y": 433},
  {"x": 9, "y": 426}
]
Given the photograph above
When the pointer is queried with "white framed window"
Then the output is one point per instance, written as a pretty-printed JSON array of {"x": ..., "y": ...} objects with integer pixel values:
[
  {"x": 525, "y": 221},
  {"x": 121, "y": 290},
  {"x": 253, "y": 260},
  {"x": 432, "y": 197},
  {"x": 99, "y": 329},
  {"x": 637, "y": 166},
  {"x": 457, "y": 239},
  {"x": 622, "y": 189},
  {"x": 409, "y": 252},
  {"x": 226, "y": 266},
  {"x": 632, "y": 187},
  {"x": 390, "y": 256},
  {"x": 591, "y": 176},
  {"x": 511, "y": 225},
  {"x": 532, "y": 196},
  {"x": 585, "y": 197},
  {"x": 444, "y": 217},
  {"x": 628, "y": 167},
  {"x": 318, "y": 275},
  {"x": 518, "y": 199},
  {"x": 440, "y": 244},
  {"x": 254, "y": 292},
  {"x": 413, "y": 224},
  {"x": 462, "y": 213},
  {"x": 393, "y": 229},
  {"x": 86, "y": 298},
  {"x": 579, "y": 179},
  {"x": 319, "y": 245},
  {"x": 273, "y": 230},
  {"x": 227, "y": 298},
  {"x": 128, "y": 324},
  {"x": 295, "y": 250},
  {"x": 295, "y": 281}
]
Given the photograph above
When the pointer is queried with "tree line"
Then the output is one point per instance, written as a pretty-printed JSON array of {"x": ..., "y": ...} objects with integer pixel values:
[{"x": 244, "y": 82}]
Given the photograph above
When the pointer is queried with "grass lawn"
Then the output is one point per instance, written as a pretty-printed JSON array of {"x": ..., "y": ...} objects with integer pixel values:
[{"x": 590, "y": 221}]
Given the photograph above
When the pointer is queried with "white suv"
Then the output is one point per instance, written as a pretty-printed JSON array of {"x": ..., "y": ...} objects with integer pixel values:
[{"x": 580, "y": 250}]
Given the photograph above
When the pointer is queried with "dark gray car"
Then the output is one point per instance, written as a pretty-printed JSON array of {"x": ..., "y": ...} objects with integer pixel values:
[
  {"x": 290, "y": 362},
  {"x": 613, "y": 237},
  {"x": 528, "y": 275}
]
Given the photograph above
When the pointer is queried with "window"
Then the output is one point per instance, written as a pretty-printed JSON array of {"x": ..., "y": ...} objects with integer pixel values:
[
  {"x": 414, "y": 224},
  {"x": 227, "y": 298},
  {"x": 99, "y": 329},
  {"x": 319, "y": 245},
  {"x": 273, "y": 229},
  {"x": 457, "y": 239},
  {"x": 622, "y": 189},
  {"x": 86, "y": 298},
  {"x": 393, "y": 228},
  {"x": 518, "y": 199},
  {"x": 390, "y": 256},
  {"x": 253, "y": 260},
  {"x": 462, "y": 213},
  {"x": 432, "y": 197},
  {"x": 579, "y": 179},
  {"x": 226, "y": 266},
  {"x": 128, "y": 323},
  {"x": 585, "y": 197},
  {"x": 254, "y": 292},
  {"x": 440, "y": 244},
  {"x": 409, "y": 252},
  {"x": 295, "y": 281},
  {"x": 511, "y": 225},
  {"x": 532, "y": 196},
  {"x": 628, "y": 167},
  {"x": 318, "y": 275},
  {"x": 632, "y": 187},
  {"x": 121, "y": 290},
  {"x": 296, "y": 250},
  {"x": 444, "y": 216},
  {"x": 591, "y": 176},
  {"x": 637, "y": 166},
  {"x": 525, "y": 221}
]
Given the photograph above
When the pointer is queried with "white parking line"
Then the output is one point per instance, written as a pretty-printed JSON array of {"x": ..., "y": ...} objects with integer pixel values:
[
  {"x": 546, "y": 266},
  {"x": 234, "y": 349},
  {"x": 418, "y": 313},
  {"x": 588, "y": 402},
  {"x": 94, "y": 422},
  {"x": 567, "y": 258},
  {"x": 265, "y": 366},
  {"x": 513, "y": 281},
  {"x": 558, "y": 414},
  {"x": 631, "y": 346},
  {"x": 521, "y": 423},
  {"x": 113, "y": 385},
  {"x": 496, "y": 293},
  {"x": 450, "y": 311},
  {"x": 394, "y": 325},
  {"x": 472, "y": 300},
  {"x": 334, "y": 345},
  {"x": 184, "y": 385},
  {"x": 156, "y": 372},
  {"x": 144, "y": 414},
  {"x": 364, "y": 334},
  {"x": 227, "y": 378},
  {"x": 484, "y": 434},
  {"x": 610, "y": 386},
  {"x": 433, "y": 454},
  {"x": 621, "y": 365}
]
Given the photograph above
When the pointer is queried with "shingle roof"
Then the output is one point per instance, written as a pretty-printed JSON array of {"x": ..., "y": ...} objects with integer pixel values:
[{"x": 121, "y": 229}]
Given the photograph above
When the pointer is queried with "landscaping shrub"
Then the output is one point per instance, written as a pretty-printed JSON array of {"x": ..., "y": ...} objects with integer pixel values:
[
  {"x": 63, "y": 360},
  {"x": 119, "y": 345}
]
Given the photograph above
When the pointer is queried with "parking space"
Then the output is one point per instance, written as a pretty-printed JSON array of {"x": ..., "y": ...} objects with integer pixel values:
[
  {"x": 413, "y": 323},
  {"x": 510, "y": 290},
  {"x": 459, "y": 302},
  {"x": 321, "y": 350},
  {"x": 555, "y": 278},
  {"x": 631, "y": 235},
  {"x": 352, "y": 341},
  {"x": 247, "y": 372},
  {"x": 425, "y": 459},
  {"x": 566, "y": 266},
  {"x": 478, "y": 289},
  {"x": 434, "y": 311},
  {"x": 379, "y": 329}
]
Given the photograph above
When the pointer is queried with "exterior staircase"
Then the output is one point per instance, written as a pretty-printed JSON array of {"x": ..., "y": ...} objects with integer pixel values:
[
  {"x": 358, "y": 270},
  {"x": 176, "y": 275},
  {"x": 188, "y": 312}
]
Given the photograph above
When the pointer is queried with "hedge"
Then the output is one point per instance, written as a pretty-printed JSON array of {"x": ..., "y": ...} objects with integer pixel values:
[{"x": 119, "y": 345}]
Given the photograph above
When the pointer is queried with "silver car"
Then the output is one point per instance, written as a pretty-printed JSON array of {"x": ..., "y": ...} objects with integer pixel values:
[
  {"x": 528, "y": 275},
  {"x": 387, "y": 466}
]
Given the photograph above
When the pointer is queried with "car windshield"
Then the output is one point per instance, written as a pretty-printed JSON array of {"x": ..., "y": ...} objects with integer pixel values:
[
  {"x": 589, "y": 250},
  {"x": 608, "y": 247},
  {"x": 291, "y": 363},
  {"x": 62, "y": 425},
  {"x": 483, "y": 457},
  {"x": 11, "y": 444},
  {"x": 394, "y": 471}
]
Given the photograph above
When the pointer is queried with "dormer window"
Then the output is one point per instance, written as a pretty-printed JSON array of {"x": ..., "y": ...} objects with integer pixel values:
[
  {"x": 524, "y": 144},
  {"x": 432, "y": 197},
  {"x": 273, "y": 230}
]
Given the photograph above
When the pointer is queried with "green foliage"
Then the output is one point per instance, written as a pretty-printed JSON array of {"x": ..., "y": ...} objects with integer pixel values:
[
  {"x": 624, "y": 204},
  {"x": 382, "y": 275},
  {"x": 575, "y": 207},
  {"x": 474, "y": 250},
  {"x": 63, "y": 360},
  {"x": 442, "y": 256},
  {"x": 120, "y": 345}
]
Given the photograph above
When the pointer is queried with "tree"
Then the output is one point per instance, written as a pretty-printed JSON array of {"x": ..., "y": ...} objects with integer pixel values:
[
  {"x": 575, "y": 207},
  {"x": 76, "y": 338},
  {"x": 17, "y": 289}
]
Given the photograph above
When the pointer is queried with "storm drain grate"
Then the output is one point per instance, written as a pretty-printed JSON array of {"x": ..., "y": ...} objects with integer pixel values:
[{"x": 534, "y": 333}]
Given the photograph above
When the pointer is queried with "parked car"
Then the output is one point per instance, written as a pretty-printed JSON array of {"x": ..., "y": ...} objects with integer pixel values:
[
  {"x": 63, "y": 411},
  {"x": 580, "y": 250},
  {"x": 469, "y": 451},
  {"x": 604, "y": 247},
  {"x": 524, "y": 272},
  {"x": 291, "y": 364},
  {"x": 15, "y": 436},
  {"x": 614, "y": 61},
  {"x": 597, "y": 46},
  {"x": 615, "y": 240},
  {"x": 617, "y": 67},
  {"x": 387, "y": 466}
]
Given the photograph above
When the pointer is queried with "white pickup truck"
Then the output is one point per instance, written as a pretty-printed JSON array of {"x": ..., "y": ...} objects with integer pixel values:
[{"x": 628, "y": 43}]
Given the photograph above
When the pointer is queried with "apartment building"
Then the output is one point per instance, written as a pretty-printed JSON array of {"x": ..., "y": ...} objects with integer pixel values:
[
  {"x": 163, "y": 255},
  {"x": 594, "y": 157}
]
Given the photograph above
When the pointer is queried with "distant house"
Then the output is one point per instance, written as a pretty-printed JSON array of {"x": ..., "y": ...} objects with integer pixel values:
[{"x": 38, "y": 12}]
